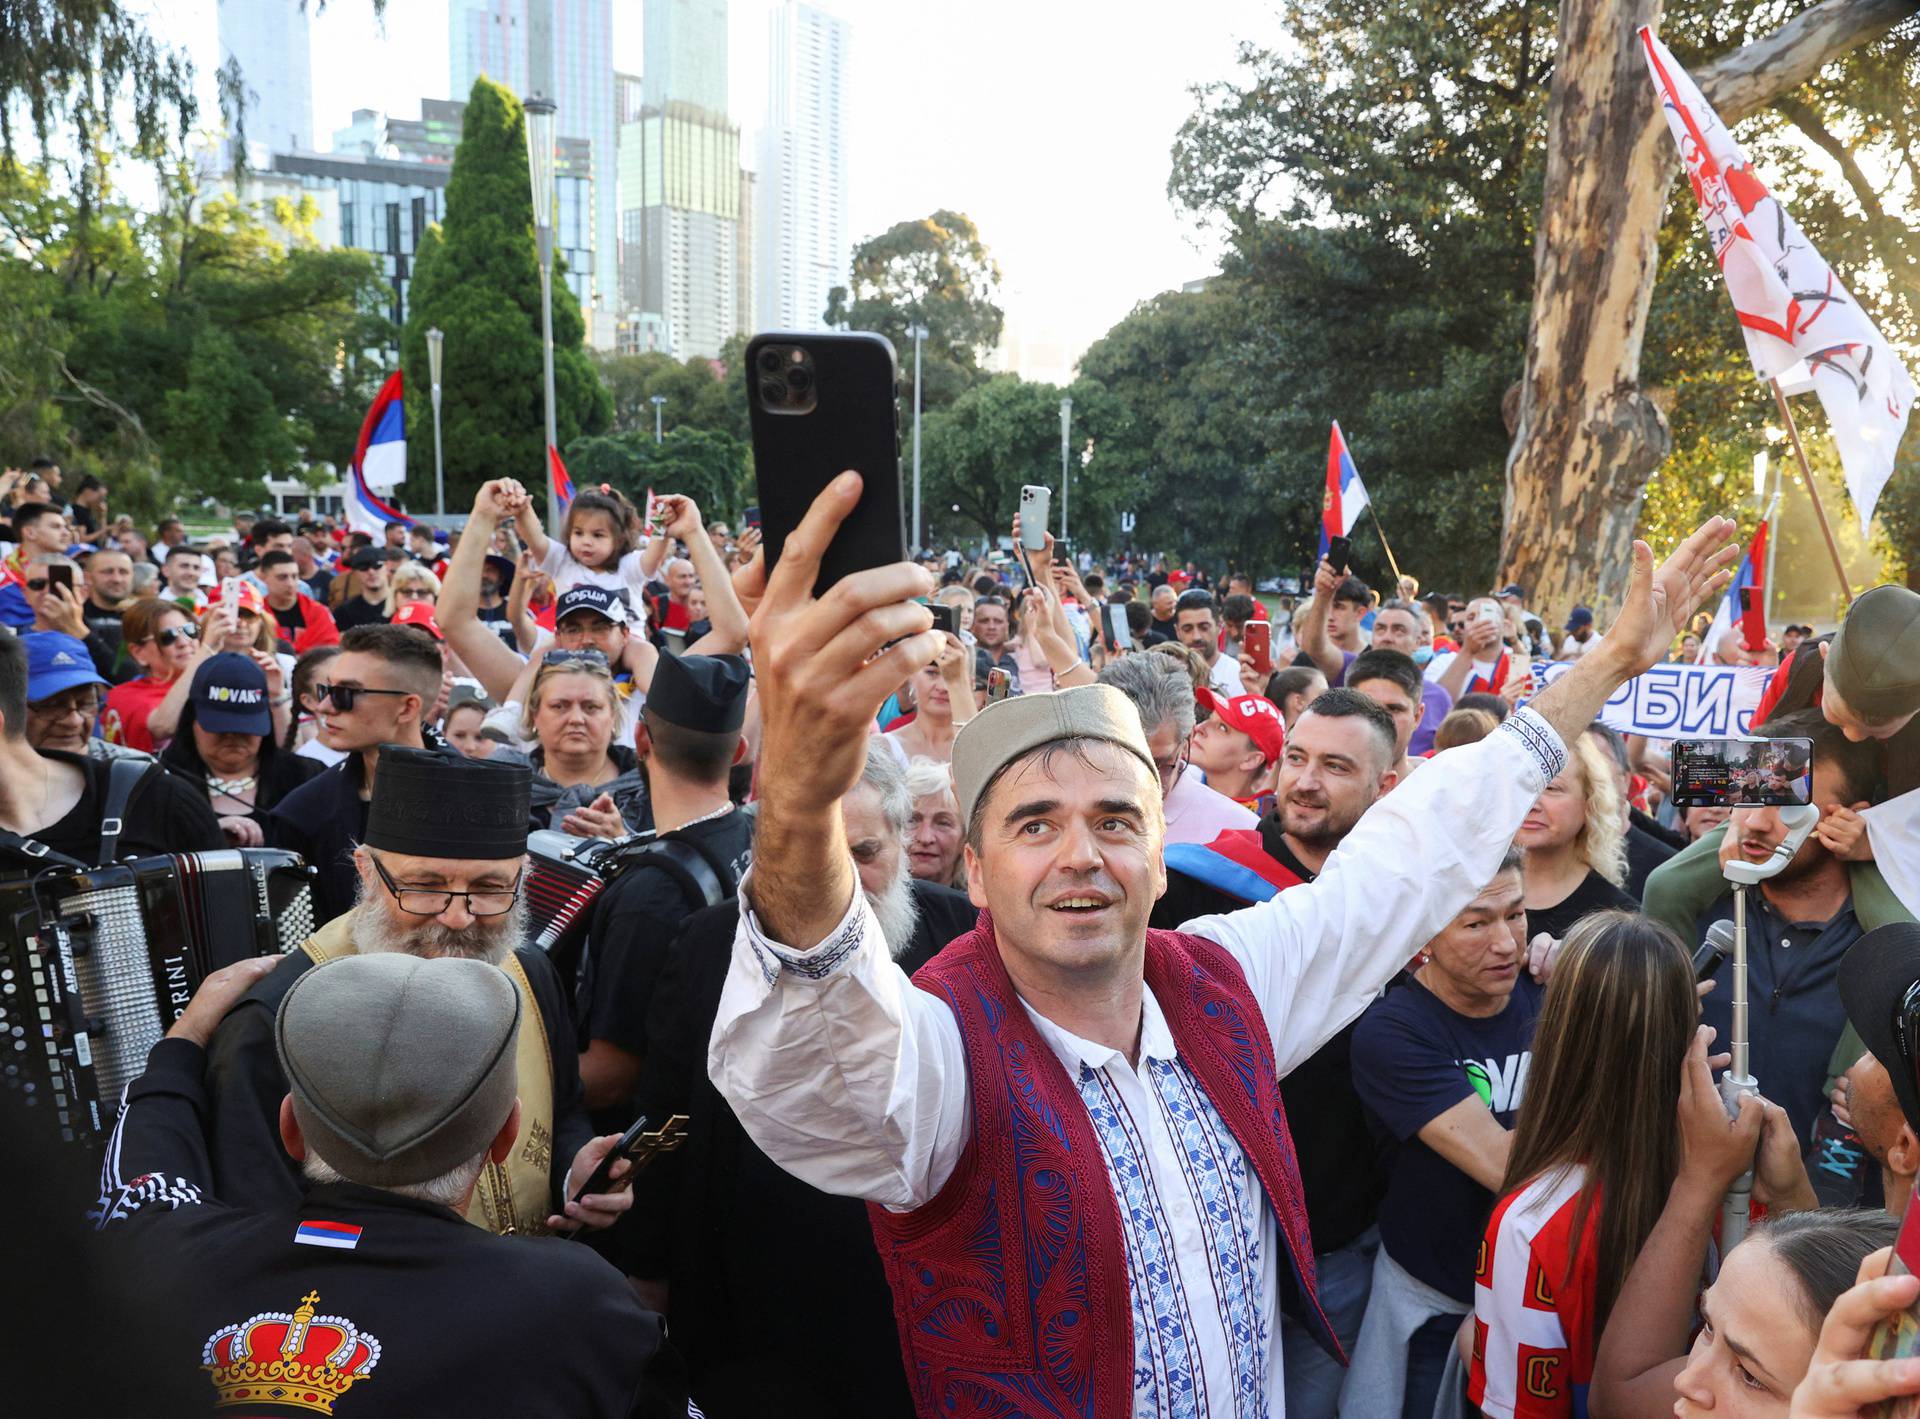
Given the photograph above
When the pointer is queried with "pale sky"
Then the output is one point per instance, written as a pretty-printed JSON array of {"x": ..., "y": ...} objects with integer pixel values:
[{"x": 1049, "y": 122}]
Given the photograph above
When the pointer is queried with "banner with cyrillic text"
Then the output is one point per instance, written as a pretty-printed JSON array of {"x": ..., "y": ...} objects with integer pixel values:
[{"x": 1678, "y": 701}]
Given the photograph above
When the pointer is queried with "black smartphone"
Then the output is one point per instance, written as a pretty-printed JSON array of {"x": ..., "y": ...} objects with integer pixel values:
[
  {"x": 637, "y": 1145},
  {"x": 751, "y": 517},
  {"x": 1742, "y": 773},
  {"x": 819, "y": 404},
  {"x": 1338, "y": 550},
  {"x": 1063, "y": 551},
  {"x": 59, "y": 576},
  {"x": 945, "y": 618}
]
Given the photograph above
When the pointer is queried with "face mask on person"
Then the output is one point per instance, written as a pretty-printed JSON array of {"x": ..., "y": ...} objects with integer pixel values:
[{"x": 1422, "y": 654}]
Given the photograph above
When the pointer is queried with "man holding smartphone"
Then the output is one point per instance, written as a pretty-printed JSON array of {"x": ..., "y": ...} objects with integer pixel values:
[{"x": 1025, "y": 1047}]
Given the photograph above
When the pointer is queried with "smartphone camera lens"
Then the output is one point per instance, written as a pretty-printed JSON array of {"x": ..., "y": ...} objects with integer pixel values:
[
  {"x": 801, "y": 378},
  {"x": 773, "y": 391},
  {"x": 770, "y": 360}
]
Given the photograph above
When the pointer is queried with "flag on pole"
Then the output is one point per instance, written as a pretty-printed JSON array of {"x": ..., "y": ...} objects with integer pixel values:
[
  {"x": 1801, "y": 326},
  {"x": 1751, "y": 618},
  {"x": 379, "y": 461},
  {"x": 562, "y": 484},
  {"x": 1346, "y": 496}
]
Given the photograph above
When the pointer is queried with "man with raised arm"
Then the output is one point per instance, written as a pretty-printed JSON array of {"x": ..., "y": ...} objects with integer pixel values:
[{"x": 1084, "y": 1193}]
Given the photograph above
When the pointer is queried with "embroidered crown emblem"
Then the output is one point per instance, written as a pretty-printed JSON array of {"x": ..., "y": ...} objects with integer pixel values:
[{"x": 303, "y": 1360}]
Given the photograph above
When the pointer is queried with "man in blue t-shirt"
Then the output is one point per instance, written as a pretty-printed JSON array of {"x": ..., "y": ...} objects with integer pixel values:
[{"x": 1440, "y": 1063}]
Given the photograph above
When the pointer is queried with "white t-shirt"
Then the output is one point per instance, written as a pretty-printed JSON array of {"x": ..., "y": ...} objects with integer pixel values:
[
  {"x": 1442, "y": 659},
  {"x": 567, "y": 573},
  {"x": 1225, "y": 678},
  {"x": 1571, "y": 649}
]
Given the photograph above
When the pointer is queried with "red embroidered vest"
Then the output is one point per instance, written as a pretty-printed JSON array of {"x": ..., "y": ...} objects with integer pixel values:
[{"x": 1010, "y": 1287}]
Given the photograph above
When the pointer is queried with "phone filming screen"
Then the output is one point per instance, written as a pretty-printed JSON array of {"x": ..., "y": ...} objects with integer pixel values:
[{"x": 1742, "y": 773}]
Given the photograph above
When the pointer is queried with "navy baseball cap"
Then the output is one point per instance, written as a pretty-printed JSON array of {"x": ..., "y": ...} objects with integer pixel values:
[
  {"x": 56, "y": 663},
  {"x": 600, "y": 600},
  {"x": 230, "y": 696},
  {"x": 1581, "y": 616}
]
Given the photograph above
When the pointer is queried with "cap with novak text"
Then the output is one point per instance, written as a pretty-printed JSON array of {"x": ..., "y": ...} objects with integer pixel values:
[
  {"x": 1876, "y": 976},
  {"x": 703, "y": 692},
  {"x": 56, "y": 663},
  {"x": 401, "y": 1067},
  {"x": 601, "y": 600},
  {"x": 229, "y": 695},
  {"x": 1253, "y": 715}
]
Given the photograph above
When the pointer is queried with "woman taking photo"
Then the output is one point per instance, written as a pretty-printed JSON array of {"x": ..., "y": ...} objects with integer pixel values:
[
  {"x": 1590, "y": 1168},
  {"x": 584, "y": 782},
  {"x": 162, "y": 640},
  {"x": 944, "y": 691},
  {"x": 225, "y": 744},
  {"x": 1575, "y": 837}
]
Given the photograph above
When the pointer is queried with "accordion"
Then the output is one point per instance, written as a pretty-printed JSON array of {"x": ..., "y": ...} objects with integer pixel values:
[
  {"x": 95, "y": 965},
  {"x": 564, "y": 875}
]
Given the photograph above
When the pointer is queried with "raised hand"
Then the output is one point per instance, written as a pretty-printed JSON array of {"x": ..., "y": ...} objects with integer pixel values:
[
  {"x": 1840, "y": 1383},
  {"x": 1660, "y": 599}
]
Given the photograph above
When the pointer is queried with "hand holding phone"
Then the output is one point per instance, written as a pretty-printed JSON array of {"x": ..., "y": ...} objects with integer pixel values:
[
  {"x": 1257, "y": 641},
  {"x": 1035, "y": 502},
  {"x": 1339, "y": 550},
  {"x": 60, "y": 576},
  {"x": 230, "y": 598}
]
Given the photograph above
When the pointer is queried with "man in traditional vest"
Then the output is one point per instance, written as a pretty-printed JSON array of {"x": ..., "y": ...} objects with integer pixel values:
[
  {"x": 440, "y": 875},
  {"x": 1083, "y": 1190}
]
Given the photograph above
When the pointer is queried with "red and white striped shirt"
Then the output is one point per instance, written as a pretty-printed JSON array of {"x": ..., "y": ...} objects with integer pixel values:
[{"x": 1533, "y": 1303}]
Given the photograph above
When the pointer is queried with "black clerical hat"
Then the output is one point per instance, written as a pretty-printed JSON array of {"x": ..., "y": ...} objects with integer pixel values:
[
  {"x": 440, "y": 805},
  {"x": 704, "y": 692}
]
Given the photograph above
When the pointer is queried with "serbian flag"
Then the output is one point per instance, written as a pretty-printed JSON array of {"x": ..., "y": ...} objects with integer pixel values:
[
  {"x": 1346, "y": 496},
  {"x": 379, "y": 461},
  {"x": 1801, "y": 326},
  {"x": 562, "y": 484},
  {"x": 1752, "y": 619}
]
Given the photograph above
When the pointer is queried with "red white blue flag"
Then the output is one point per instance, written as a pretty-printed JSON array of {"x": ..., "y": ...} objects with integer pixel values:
[
  {"x": 1801, "y": 326},
  {"x": 1346, "y": 496},
  {"x": 1751, "y": 618},
  {"x": 379, "y": 461},
  {"x": 343, "y": 1236},
  {"x": 562, "y": 484}
]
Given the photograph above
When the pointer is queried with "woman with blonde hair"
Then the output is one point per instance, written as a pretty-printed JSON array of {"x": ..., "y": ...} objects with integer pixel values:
[
  {"x": 1575, "y": 837},
  {"x": 584, "y": 781},
  {"x": 411, "y": 582}
]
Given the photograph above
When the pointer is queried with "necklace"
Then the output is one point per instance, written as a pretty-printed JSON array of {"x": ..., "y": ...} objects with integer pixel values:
[
  {"x": 720, "y": 812},
  {"x": 231, "y": 787}
]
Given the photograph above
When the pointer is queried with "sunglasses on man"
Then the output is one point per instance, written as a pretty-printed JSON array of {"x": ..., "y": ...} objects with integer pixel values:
[{"x": 345, "y": 696}]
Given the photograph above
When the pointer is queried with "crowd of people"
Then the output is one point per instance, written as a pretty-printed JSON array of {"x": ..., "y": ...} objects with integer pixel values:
[{"x": 1144, "y": 994}]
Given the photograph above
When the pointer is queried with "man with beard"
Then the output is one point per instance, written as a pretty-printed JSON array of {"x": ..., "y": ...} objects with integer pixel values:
[
  {"x": 440, "y": 874},
  {"x": 1338, "y": 759},
  {"x": 714, "y": 1220}
]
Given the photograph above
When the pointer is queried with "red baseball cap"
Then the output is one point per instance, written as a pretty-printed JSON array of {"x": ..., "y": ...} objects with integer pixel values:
[
  {"x": 1253, "y": 715},
  {"x": 419, "y": 613}
]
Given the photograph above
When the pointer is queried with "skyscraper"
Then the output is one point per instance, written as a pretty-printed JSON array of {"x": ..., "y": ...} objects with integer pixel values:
[
  {"x": 269, "y": 39},
  {"x": 563, "y": 49},
  {"x": 680, "y": 187},
  {"x": 803, "y": 184}
]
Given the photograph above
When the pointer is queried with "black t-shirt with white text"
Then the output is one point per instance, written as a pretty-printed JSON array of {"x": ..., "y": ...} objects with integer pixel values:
[{"x": 1413, "y": 1059}]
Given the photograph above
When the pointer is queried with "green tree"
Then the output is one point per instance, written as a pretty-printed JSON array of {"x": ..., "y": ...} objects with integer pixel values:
[
  {"x": 477, "y": 278},
  {"x": 710, "y": 466},
  {"x": 700, "y": 393},
  {"x": 937, "y": 271},
  {"x": 186, "y": 349},
  {"x": 1412, "y": 143}
]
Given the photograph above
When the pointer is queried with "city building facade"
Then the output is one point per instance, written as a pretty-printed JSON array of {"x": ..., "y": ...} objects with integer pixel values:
[{"x": 802, "y": 193}]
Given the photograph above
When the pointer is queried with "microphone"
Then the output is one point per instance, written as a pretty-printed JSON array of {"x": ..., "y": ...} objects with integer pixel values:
[{"x": 1718, "y": 947}]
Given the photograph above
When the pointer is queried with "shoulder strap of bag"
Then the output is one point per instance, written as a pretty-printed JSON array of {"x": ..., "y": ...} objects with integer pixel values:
[{"x": 123, "y": 777}]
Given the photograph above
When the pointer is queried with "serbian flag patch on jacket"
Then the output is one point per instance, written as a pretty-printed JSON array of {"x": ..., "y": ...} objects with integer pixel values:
[{"x": 327, "y": 1234}]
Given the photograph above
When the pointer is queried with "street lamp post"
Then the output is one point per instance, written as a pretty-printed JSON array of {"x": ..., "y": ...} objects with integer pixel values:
[
  {"x": 919, "y": 333},
  {"x": 659, "y": 402},
  {"x": 540, "y": 117},
  {"x": 436, "y": 338},
  {"x": 1066, "y": 434}
]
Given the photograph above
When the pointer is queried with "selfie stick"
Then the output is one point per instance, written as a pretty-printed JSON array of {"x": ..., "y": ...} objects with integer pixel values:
[{"x": 1738, "y": 1080}]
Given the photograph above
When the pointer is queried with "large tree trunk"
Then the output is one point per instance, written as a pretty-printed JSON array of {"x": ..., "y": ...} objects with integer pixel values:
[{"x": 1586, "y": 438}]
